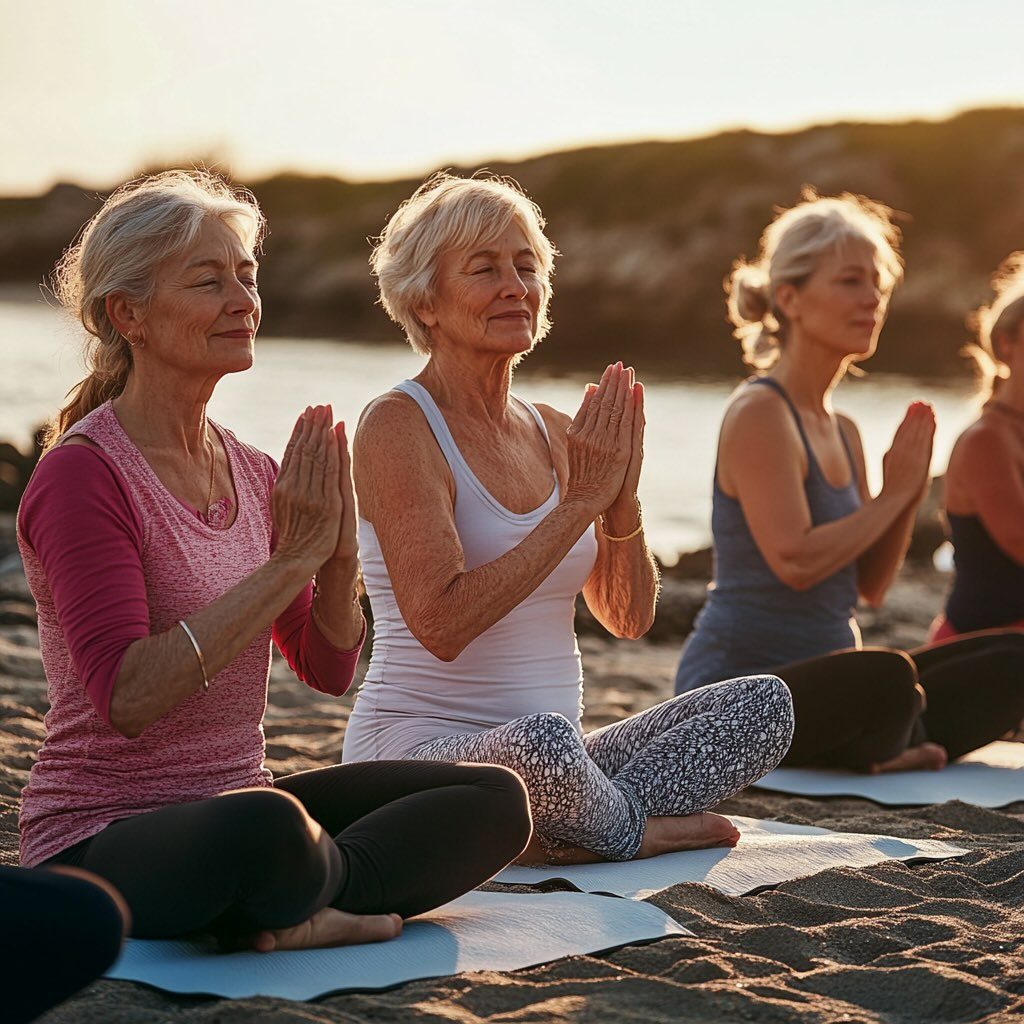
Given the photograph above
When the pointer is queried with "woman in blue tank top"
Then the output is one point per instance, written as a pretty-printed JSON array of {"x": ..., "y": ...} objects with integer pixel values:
[
  {"x": 798, "y": 537},
  {"x": 985, "y": 478}
]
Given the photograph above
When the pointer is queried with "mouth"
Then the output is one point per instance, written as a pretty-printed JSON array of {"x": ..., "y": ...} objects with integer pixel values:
[
  {"x": 240, "y": 333},
  {"x": 518, "y": 314}
]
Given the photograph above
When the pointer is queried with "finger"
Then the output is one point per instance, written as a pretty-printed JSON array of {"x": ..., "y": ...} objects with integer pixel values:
[
  {"x": 289, "y": 451},
  {"x": 594, "y": 412},
  {"x": 608, "y": 398},
  {"x": 345, "y": 470},
  {"x": 581, "y": 413},
  {"x": 629, "y": 406},
  {"x": 639, "y": 417}
]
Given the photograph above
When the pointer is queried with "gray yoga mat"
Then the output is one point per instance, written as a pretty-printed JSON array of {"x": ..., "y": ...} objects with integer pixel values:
[
  {"x": 481, "y": 931},
  {"x": 769, "y": 852},
  {"x": 990, "y": 777}
]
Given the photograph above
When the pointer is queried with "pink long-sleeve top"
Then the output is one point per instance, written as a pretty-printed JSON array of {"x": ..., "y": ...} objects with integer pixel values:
[{"x": 111, "y": 557}]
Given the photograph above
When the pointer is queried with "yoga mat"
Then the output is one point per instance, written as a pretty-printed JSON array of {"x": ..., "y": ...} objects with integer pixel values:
[
  {"x": 990, "y": 777},
  {"x": 481, "y": 931},
  {"x": 769, "y": 852}
]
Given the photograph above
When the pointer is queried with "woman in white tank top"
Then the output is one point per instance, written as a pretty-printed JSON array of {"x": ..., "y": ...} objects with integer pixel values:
[{"x": 478, "y": 531}]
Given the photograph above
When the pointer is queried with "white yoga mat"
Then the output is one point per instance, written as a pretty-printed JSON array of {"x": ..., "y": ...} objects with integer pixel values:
[
  {"x": 769, "y": 852},
  {"x": 990, "y": 777},
  {"x": 477, "y": 932}
]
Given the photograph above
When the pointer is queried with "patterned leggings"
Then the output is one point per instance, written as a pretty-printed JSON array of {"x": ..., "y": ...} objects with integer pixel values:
[{"x": 679, "y": 757}]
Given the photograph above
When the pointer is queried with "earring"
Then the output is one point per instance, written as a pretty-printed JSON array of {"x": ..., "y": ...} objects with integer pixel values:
[{"x": 133, "y": 341}]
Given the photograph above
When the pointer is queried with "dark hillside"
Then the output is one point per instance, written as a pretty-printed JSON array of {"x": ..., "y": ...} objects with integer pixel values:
[{"x": 647, "y": 232}]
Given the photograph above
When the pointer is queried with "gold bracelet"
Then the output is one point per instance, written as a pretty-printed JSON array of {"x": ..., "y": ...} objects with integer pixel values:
[{"x": 629, "y": 536}]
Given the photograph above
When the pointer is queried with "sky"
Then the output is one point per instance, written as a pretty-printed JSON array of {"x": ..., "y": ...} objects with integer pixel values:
[{"x": 93, "y": 91}]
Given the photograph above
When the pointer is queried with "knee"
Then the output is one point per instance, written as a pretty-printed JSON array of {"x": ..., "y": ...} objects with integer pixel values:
[
  {"x": 772, "y": 718},
  {"x": 508, "y": 805},
  {"x": 892, "y": 678},
  {"x": 269, "y": 821}
]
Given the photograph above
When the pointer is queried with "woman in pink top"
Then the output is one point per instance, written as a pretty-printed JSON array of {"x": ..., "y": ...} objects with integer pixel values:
[{"x": 163, "y": 554}]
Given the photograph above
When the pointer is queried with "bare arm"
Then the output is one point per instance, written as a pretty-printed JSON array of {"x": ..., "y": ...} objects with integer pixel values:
[
  {"x": 622, "y": 590},
  {"x": 406, "y": 491},
  {"x": 985, "y": 479},
  {"x": 762, "y": 463},
  {"x": 307, "y": 515}
]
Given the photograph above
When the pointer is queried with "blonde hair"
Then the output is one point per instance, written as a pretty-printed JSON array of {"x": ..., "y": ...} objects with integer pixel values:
[
  {"x": 1003, "y": 316},
  {"x": 448, "y": 212},
  {"x": 142, "y": 223},
  {"x": 791, "y": 249}
]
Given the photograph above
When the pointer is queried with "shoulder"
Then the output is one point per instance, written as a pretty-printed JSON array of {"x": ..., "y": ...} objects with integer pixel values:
[
  {"x": 757, "y": 414},
  {"x": 556, "y": 421},
  {"x": 79, "y": 481},
  {"x": 983, "y": 446},
  {"x": 391, "y": 418}
]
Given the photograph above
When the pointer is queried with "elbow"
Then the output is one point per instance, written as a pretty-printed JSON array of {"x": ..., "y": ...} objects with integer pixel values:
[
  {"x": 125, "y": 725},
  {"x": 634, "y": 629},
  {"x": 794, "y": 575},
  {"x": 438, "y": 640}
]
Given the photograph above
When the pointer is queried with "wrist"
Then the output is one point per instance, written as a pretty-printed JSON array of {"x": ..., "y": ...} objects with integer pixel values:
[
  {"x": 622, "y": 516},
  {"x": 293, "y": 565}
]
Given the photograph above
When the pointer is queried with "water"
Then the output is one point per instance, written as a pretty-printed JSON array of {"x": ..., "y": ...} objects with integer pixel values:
[{"x": 40, "y": 360}]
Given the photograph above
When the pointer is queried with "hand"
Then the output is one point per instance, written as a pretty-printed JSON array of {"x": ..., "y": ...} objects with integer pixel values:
[
  {"x": 625, "y": 505},
  {"x": 600, "y": 440},
  {"x": 348, "y": 544},
  {"x": 905, "y": 465},
  {"x": 307, "y": 500}
]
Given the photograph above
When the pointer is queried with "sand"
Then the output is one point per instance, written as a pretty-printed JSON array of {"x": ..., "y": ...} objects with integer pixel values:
[{"x": 936, "y": 943}]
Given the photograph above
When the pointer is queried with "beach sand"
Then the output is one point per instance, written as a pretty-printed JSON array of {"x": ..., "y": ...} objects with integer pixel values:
[{"x": 935, "y": 942}]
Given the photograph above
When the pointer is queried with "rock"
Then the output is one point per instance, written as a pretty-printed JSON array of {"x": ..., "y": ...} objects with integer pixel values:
[
  {"x": 17, "y": 613},
  {"x": 19, "y": 653}
]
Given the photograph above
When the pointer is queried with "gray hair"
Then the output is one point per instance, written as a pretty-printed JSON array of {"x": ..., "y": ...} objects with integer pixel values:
[
  {"x": 448, "y": 212},
  {"x": 142, "y": 223},
  {"x": 791, "y": 248},
  {"x": 1003, "y": 316}
]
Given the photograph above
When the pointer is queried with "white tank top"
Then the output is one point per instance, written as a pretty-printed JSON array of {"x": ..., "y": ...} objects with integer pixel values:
[{"x": 526, "y": 663}]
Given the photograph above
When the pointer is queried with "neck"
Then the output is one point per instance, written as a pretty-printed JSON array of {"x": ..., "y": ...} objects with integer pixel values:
[
  {"x": 165, "y": 410},
  {"x": 809, "y": 372},
  {"x": 470, "y": 383},
  {"x": 1011, "y": 394}
]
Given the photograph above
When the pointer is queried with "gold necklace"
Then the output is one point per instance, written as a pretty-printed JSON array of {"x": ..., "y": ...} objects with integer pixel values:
[{"x": 213, "y": 469}]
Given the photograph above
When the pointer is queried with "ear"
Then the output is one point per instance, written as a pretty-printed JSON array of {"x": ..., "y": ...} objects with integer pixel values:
[
  {"x": 123, "y": 314},
  {"x": 787, "y": 300},
  {"x": 427, "y": 314}
]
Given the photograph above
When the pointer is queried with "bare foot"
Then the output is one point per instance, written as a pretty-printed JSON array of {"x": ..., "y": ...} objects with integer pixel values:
[
  {"x": 688, "y": 832},
  {"x": 923, "y": 757},
  {"x": 330, "y": 927}
]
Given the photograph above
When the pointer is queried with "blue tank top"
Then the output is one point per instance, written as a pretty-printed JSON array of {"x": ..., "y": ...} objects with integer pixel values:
[
  {"x": 988, "y": 588},
  {"x": 752, "y": 622}
]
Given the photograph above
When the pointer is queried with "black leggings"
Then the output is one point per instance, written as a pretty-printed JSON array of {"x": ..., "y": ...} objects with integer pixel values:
[
  {"x": 375, "y": 837},
  {"x": 57, "y": 933},
  {"x": 857, "y": 708}
]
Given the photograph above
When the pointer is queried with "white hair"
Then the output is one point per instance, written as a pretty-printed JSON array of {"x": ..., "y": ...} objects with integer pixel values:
[
  {"x": 791, "y": 249},
  {"x": 448, "y": 212},
  {"x": 142, "y": 223}
]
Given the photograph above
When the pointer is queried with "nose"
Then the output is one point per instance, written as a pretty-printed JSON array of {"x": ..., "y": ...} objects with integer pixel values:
[
  {"x": 242, "y": 299},
  {"x": 512, "y": 285}
]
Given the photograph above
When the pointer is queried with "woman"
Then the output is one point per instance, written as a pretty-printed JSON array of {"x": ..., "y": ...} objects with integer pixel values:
[
  {"x": 162, "y": 555},
  {"x": 985, "y": 478},
  {"x": 798, "y": 536},
  {"x": 477, "y": 527}
]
